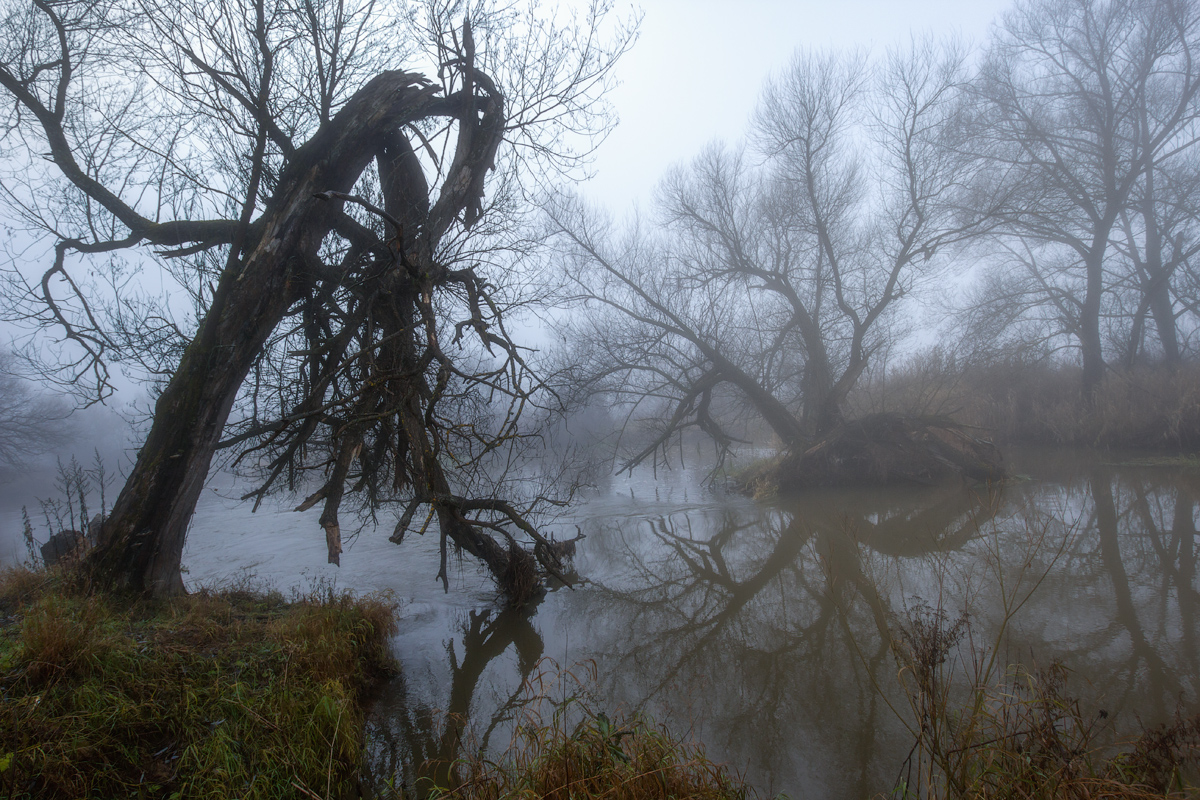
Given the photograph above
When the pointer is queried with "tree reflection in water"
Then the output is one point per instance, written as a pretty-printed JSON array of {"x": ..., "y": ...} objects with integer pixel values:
[
  {"x": 411, "y": 740},
  {"x": 764, "y": 629}
]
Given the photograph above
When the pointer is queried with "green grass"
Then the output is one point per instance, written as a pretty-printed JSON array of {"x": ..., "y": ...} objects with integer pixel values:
[{"x": 213, "y": 695}]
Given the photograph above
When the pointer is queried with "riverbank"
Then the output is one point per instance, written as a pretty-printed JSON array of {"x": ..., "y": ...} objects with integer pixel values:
[
  {"x": 1020, "y": 402},
  {"x": 230, "y": 694},
  {"x": 251, "y": 695},
  {"x": 247, "y": 694}
]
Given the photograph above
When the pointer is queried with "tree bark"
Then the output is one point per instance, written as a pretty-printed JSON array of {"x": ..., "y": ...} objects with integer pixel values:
[
  {"x": 1164, "y": 321},
  {"x": 1090, "y": 343},
  {"x": 1156, "y": 282},
  {"x": 142, "y": 540}
]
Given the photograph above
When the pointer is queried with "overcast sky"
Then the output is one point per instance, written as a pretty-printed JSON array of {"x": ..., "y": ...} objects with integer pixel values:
[{"x": 697, "y": 69}]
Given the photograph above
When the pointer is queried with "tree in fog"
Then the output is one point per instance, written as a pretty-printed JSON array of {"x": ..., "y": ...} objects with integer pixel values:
[
  {"x": 331, "y": 216},
  {"x": 30, "y": 423},
  {"x": 1087, "y": 114},
  {"x": 775, "y": 272}
]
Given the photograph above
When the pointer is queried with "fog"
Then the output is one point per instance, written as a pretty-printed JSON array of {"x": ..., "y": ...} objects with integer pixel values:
[{"x": 751, "y": 333}]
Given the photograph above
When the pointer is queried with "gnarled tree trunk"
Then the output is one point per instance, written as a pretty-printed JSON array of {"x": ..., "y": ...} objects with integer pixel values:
[{"x": 143, "y": 538}]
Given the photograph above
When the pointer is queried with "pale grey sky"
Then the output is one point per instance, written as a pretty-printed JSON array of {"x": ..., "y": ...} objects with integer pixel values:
[{"x": 697, "y": 69}]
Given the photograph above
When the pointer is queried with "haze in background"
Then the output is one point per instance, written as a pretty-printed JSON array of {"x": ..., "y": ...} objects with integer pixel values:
[
  {"x": 693, "y": 76},
  {"x": 697, "y": 69}
]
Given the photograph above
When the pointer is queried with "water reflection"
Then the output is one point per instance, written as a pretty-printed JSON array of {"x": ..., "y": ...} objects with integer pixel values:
[
  {"x": 1145, "y": 538},
  {"x": 414, "y": 740},
  {"x": 763, "y": 629}
]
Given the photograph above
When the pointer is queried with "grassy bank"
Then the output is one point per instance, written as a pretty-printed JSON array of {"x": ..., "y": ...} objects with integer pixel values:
[
  {"x": 249, "y": 695},
  {"x": 628, "y": 758},
  {"x": 213, "y": 695}
]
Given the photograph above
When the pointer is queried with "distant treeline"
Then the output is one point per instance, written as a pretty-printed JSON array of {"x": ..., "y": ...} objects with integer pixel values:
[{"x": 1035, "y": 201}]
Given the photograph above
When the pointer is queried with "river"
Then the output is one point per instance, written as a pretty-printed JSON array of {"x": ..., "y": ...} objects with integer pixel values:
[{"x": 761, "y": 628}]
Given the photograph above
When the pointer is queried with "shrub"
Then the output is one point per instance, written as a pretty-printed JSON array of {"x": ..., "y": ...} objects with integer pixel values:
[{"x": 1021, "y": 737}]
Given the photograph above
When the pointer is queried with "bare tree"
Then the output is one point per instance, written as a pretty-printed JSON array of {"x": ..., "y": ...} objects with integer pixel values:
[
  {"x": 303, "y": 188},
  {"x": 649, "y": 333},
  {"x": 31, "y": 423},
  {"x": 1160, "y": 232},
  {"x": 1085, "y": 108},
  {"x": 780, "y": 281}
]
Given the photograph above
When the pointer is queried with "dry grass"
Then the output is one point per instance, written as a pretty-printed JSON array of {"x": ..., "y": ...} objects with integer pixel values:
[
  {"x": 759, "y": 479},
  {"x": 563, "y": 749},
  {"x": 623, "y": 759},
  {"x": 63, "y": 637},
  {"x": 212, "y": 696},
  {"x": 1022, "y": 737},
  {"x": 19, "y": 584},
  {"x": 1042, "y": 403}
]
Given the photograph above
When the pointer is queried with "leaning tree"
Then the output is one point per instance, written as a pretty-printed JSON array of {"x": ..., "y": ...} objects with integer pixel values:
[
  {"x": 776, "y": 278},
  {"x": 329, "y": 213}
]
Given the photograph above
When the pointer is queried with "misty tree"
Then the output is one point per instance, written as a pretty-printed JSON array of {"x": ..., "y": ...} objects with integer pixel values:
[
  {"x": 1160, "y": 237},
  {"x": 1087, "y": 114},
  {"x": 775, "y": 272},
  {"x": 341, "y": 225},
  {"x": 31, "y": 423}
]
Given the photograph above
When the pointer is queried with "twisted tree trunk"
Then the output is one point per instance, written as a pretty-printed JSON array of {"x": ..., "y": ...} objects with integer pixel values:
[{"x": 142, "y": 540}]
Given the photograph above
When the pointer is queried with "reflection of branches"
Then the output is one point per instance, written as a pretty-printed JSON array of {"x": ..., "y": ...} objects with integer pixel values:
[
  {"x": 759, "y": 601},
  {"x": 699, "y": 590},
  {"x": 1108, "y": 530},
  {"x": 710, "y": 597},
  {"x": 915, "y": 524},
  {"x": 428, "y": 742},
  {"x": 777, "y": 619},
  {"x": 1184, "y": 531},
  {"x": 1174, "y": 548},
  {"x": 762, "y": 610}
]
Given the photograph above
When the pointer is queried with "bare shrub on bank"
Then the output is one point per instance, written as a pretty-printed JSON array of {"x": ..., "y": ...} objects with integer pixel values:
[
  {"x": 987, "y": 728},
  {"x": 1023, "y": 736},
  {"x": 564, "y": 747}
]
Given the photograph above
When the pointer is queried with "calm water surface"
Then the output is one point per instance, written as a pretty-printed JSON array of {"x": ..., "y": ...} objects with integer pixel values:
[{"x": 761, "y": 628}]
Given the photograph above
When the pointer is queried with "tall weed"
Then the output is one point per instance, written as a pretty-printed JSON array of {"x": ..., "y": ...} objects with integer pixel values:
[
  {"x": 563, "y": 748},
  {"x": 985, "y": 729},
  {"x": 1040, "y": 402}
]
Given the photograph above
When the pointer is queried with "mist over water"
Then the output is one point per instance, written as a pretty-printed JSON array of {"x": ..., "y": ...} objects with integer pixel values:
[{"x": 761, "y": 628}]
